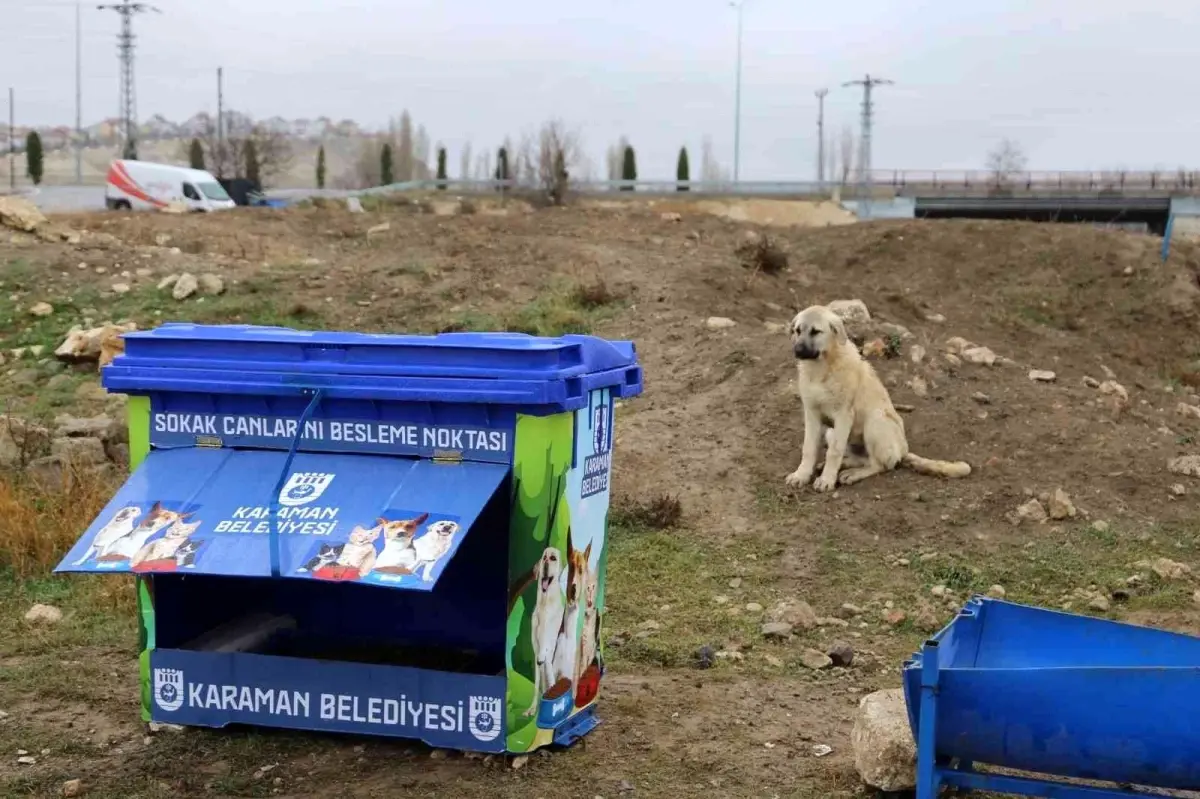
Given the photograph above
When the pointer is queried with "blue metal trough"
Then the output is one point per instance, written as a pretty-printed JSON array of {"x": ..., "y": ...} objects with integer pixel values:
[{"x": 1057, "y": 695}]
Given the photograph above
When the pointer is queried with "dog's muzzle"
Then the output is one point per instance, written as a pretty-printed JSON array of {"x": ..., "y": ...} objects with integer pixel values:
[{"x": 804, "y": 352}]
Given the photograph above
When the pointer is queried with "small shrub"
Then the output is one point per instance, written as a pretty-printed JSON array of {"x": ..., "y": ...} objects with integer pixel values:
[
  {"x": 467, "y": 207},
  {"x": 761, "y": 253},
  {"x": 594, "y": 295},
  {"x": 657, "y": 513},
  {"x": 40, "y": 524}
]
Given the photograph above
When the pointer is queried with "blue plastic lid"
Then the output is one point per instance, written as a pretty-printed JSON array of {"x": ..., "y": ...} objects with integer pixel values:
[{"x": 508, "y": 368}]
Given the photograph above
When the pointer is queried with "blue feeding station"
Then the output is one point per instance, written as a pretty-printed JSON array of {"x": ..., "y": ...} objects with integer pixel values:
[
  {"x": 388, "y": 535},
  {"x": 1055, "y": 695}
]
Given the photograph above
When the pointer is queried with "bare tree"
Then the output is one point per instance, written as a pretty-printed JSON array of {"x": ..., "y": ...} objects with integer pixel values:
[
  {"x": 403, "y": 145},
  {"x": 559, "y": 151},
  {"x": 711, "y": 170},
  {"x": 846, "y": 144},
  {"x": 614, "y": 157},
  {"x": 421, "y": 153},
  {"x": 368, "y": 165},
  {"x": 226, "y": 157},
  {"x": 464, "y": 162},
  {"x": 1005, "y": 160}
]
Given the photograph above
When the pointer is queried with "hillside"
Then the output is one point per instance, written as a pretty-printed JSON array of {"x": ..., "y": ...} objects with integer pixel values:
[{"x": 876, "y": 566}]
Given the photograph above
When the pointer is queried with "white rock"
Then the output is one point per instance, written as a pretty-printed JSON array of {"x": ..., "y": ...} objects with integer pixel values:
[
  {"x": 919, "y": 386},
  {"x": 997, "y": 592},
  {"x": 353, "y": 205},
  {"x": 1113, "y": 388},
  {"x": 719, "y": 323},
  {"x": 211, "y": 285},
  {"x": 42, "y": 309},
  {"x": 1165, "y": 568},
  {"x": 1187, "y": 465},
  {"x": 43, "y": 614},
  {"x": 956, "y": 344},
  {"x": 1032, "y": 511},
  {"x": 1060, "y": 506},
  {"x": 979, "y": 355},
  {"x": 884, "y": 753},
  {"x": 382, "y": 227},
  {"x": 20, "y": 214},
  {"x": 185, "y": 286},
  {"x": 167, "y": 282},
  {"x": 851, "y": 310},
  {"x": 670, "y": 216},
  {"x": 1042, "y": 376},
  {"x": 121, "y": 288},
  {"x": 936, "y": 318},
  {"x": 1191, "y": 411},
  {"x": 917, "y": 353}
]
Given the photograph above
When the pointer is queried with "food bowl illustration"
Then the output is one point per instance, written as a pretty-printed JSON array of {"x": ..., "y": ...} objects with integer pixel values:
[
  {"x": 555, "y": 704},
  {"x": 589, "y": 686}
]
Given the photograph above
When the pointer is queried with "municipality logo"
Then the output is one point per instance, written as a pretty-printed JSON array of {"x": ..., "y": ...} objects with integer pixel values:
[
  {"x": 600, "y": 429},
  {"x": 304, "y": 487},
  {"x": 168, "y": 689},
  {"x": 484, "y": 717}
]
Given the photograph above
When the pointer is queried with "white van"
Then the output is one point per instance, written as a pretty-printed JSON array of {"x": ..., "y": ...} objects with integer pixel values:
[{"x": 140, "y": 185}]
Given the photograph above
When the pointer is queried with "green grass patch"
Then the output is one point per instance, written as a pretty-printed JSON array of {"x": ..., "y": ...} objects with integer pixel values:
[{"x": 563, "y": 309}]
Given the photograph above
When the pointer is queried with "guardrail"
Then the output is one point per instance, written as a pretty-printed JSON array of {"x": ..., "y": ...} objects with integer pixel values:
[{"x": 1111, "y": 180}]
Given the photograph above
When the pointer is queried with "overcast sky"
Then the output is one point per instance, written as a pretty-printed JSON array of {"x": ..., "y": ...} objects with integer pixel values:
[{"x": 1080, "y": 84}]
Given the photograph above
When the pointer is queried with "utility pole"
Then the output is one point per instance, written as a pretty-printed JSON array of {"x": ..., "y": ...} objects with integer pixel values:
[
  {"x": 738, "y": 6},
  {"x": 125, "y": 45},
  {"x": 219, "y": 155},
  {"x": 78, "y": 96},
  {"x": 864, "y": 158},
  {"x": 12, "y": 143},
  {"x": 821, "y": 136}
]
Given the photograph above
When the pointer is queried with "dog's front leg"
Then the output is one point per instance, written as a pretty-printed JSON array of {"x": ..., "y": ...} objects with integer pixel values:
[
  {"x": 814, "y": 435},
  {"x": 835, "y": 452}
]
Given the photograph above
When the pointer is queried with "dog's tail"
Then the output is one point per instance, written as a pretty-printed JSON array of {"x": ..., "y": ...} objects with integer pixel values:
[{"x": 936, "y": 468}]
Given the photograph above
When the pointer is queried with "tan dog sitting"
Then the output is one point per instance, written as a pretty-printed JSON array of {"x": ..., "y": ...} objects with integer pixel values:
[{"x": 847, "y": 408}]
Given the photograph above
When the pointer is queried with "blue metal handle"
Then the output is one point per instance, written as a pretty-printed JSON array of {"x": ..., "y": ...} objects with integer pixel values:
[{"x": 273, "y": 536}]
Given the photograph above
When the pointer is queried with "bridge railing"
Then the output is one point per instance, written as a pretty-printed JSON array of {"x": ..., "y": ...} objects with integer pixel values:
[{"x": 1178, "y": 180}]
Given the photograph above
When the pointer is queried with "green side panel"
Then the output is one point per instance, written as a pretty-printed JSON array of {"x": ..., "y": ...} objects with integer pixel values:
[
  {"x": 138, "y": 415},
  {"x": 540, "y": 518},
  {"x": 137, "y": 411}
]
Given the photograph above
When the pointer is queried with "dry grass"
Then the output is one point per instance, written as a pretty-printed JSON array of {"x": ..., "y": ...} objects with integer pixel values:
[
  {"x": 761, "y": 253},
  {"x": 657, "y": 513},
  {"x": 37, "y": 525}
]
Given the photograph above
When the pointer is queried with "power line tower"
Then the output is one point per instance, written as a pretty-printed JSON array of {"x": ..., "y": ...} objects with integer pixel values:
[
  {"x": 125, "y": 45},
  {"x": 864, "y": 157},
  {"x": 821, "y": 136}
]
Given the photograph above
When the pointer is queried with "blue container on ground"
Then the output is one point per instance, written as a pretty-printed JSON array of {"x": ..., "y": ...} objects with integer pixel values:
[
  {"x": 380, "y": 534},
  {"x": 1057, "y": 694}
]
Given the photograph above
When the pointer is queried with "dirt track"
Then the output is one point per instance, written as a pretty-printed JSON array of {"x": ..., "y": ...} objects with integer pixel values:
[{"x": 719, "y": 426}]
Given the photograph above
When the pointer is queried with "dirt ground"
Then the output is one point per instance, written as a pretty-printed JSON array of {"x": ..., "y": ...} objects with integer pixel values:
[{"x": 882, "y": 563}]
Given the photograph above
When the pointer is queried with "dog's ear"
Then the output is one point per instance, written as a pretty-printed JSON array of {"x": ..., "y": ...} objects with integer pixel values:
[{"x": 839, "y": 328}]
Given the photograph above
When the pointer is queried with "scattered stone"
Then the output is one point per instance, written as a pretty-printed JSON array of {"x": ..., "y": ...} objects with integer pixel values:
[
  {"x": 1099, "y": 603},
  {"x": 815, "y": 659},
  {"x": 26, "y": 760},
  {"x": 43, "y": 614},
  {"x": 1100, "y": 526},
  {"x": 1091, "y": 382},
  {"x": 650, "y": 626},
  {"x": 979, "y": 355},
  {"x": 917, "y": 353},
  {"x": 895, "y": 617},
  {"x": 19, "y": 440},
  {"x": 121, "y": 288},
  {"x": 754, "y": 607},
  {"x": 736, "y": 582},
  {"x": 775, "y": 328},
  {"x": 892, "y": 329},
  {"x": 927, "y": 621},
  {"x": 777, "y": 630},
  {"x": 20, "y": 214},
  {"x": 1186, "y": 465},
  {"x": 211, "y": 285},
  {"x": 956, "y": 345},
  {"x": 100, "y": 344},
  {"x": 797, "y": 613},
  {"x": 1113, "y": 388},
  {"x": 936, "y": 318},
  {"x": 821, "y": 750},
  {"x": 851, "y": 310},
  {"x": 875, "y": 348},
  {"x": 1178, "y": 490},
  {"x": 671, "y": 216},
  {"x": 849, "y": 609},
  {"x": 1191, "y": 411},
  {"x": 997, "y": 592},
  {"x": 841, "y": 653},
  {"x": 1196, "y": 597},
  {"x": 919, "y": 386},
  {"x": 952, "y": 360},
  {"x": 1030, "y": 511},
  {"x": 72, "y": 788},
  {"x": 1042, "y": 376},
  {"x": 519, "y": 761},
  {"x": 354, "y": 206},
  {"x": 382, "y": 227},
  {"x": 41, "y": 309},
  {"x": 185, "y": 286},
  {"x": 981, "y": 398},
  {"x": 884, "y": 753},
  {"x": 719, "y": 323},
  {"x": 167, "y": 282},
  {"x": 79, "y": 451},
  {"x": 1060, "y": 506},
  {"x": 1165, "y": 568}
]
